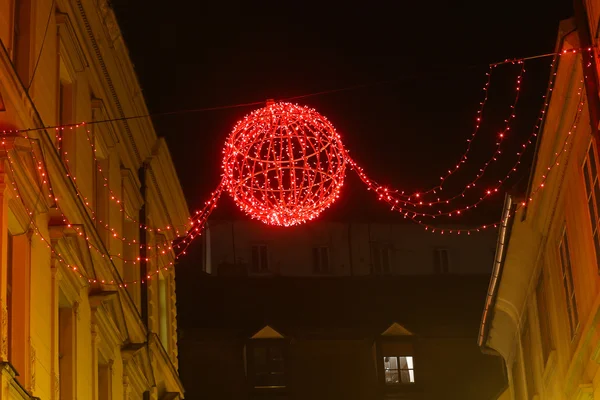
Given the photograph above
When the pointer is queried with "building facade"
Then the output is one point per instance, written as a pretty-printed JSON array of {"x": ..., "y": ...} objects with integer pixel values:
[
  {"x": 354, "y": 338},
  {"x": 320, "y": 248},
  {"x": 541, "y": 313},
  {"x": 87, "y": 213}
]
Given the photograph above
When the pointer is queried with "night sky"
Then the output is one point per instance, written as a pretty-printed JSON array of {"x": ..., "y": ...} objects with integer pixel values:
[{"x": 417, "y": 69}]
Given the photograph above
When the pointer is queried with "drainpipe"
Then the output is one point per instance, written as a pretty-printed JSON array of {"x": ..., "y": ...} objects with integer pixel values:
[{"x": 501, "y": 246}]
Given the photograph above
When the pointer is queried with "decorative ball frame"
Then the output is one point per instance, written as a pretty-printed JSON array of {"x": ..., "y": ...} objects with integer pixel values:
[{"x": 284, "y": 164}]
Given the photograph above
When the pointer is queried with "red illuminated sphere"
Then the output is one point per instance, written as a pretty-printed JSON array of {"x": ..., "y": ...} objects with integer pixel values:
[{"x": 284, "y": 164}]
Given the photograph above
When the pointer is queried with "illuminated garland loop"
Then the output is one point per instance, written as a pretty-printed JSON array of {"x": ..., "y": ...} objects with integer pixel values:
[{"x": 284, "y": 164}]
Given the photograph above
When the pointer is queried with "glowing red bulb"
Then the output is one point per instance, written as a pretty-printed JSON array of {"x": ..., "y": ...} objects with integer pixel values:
[{"x": 284, "y": 164}]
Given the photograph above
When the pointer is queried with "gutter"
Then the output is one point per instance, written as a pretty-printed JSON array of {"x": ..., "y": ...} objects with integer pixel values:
[
  {"x": 548, "y": 98},
  {"x": 501, "y": 247}
]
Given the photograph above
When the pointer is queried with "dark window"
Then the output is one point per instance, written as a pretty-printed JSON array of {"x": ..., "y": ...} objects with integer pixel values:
[
  {"x": 260, "y": 258},
  {"x": 399, "y": 370},
  {"x": 441, "y": 261},
  {"x": 592, "y": 189},
  {"x": 528, "y": 361},
  {"x": 320, "y": 257},
  {"x": 569, "y": 288},
  {"x": 268, "y": 365},
  {"x": 9, "y": 295},
  {"x": 543, "y": 317},
  {"x": 381, "y": 258}
]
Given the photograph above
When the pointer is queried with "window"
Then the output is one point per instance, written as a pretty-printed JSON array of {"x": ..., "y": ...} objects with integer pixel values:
[
  {"x": 517, "y": 377},
  {"x": 320, "y": 259},
  {"x": 528, "y": 361},
  {"x": 105, "y": 381},
  {"x": 163, "y": 309},
  {"x": 9, "y": 296},
  {"x": 592, "y": 189},
  {"x": 543, "y": 318},
  {"x": 65, "y": 139},
  {"x": 268, "y": 364},
  {"x": 399, "y": 370},
  {"x": 380, "y": 253},
  {"x": 21, "y": 40},
  {"x": 441, "y": 263},
  {"x": 260, "y": 258},
  {"x": 101, "y": 199},
  {"x": 67, "y": 351},
  {"x": 567, "y": 279}
]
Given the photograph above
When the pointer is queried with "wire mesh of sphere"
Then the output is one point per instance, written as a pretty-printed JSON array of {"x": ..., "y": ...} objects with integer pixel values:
[{"x": 284, "y": 164}]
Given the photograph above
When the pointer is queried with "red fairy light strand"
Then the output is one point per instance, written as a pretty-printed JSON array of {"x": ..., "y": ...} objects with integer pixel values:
[
  {"x": 284, "y": 164},
  {"x": 554, "y": 163},
  {"x": 478, "y": 121},
  {"x": 501, "y": 136},
  {"x": 115, "y": 198},
  {"x": 59, "y": 257}
]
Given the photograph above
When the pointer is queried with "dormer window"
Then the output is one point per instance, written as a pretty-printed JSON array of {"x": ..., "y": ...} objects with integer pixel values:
[
  {"x": 265, "y": 360},
  {"x": 396, "y": 355}
]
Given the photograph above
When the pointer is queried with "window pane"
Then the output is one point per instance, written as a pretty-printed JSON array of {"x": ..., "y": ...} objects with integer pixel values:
[
  {"x": 391, "y": 362},
  {"x": 404, "y": 363},
  {"x": 260, "y": 357},
  {"x": 376, "y": 257},
  {"x": 592, "y": 158},
  {"x": 255, "y": 261},
  {"x": 385, "y": 259},
  {"x": 324, "y": 259},
  {"x": 543, "y": 318},
  {"x": 391, "y": 377},
  {"x": 412, "y": 375},
  {"x": 315, "y": 256},
  {"x": 263, "y": 258},
  {"x": 588, "y": 178}
]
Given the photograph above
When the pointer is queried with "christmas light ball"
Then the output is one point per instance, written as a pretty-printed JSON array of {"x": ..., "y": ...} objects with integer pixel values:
[{"x": 284, "y": 164}]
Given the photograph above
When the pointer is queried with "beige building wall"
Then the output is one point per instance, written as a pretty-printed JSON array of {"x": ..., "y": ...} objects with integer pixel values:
[
  {"x": 543, "y": 305},
  {"x": 73, "y": 317}
]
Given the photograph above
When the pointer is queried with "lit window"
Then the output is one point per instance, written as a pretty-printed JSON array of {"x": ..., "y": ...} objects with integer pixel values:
[
  {"x": 399, "y": 370},
  {"x": 260, "y": 258},
  {"x": 567, "y": 278},
  {"x": 268, "y": 366},
  {"x": 592, "y": 189},
  {"x": 441, "y": 261},
  {"x": 320, "y": 259}
]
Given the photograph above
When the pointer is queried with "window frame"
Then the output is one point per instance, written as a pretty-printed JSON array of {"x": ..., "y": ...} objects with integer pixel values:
[
  {"x": 381, "y": 251},
  {"x": 263, "y": 265},
  {"x": 399, "y": 369},
  {"x": 317, "y": 254},
  {"x": 251, "y": 364},
  {"x": 438, "y": 265},
  {"x": 591, "y": 185},
  {"x": 566, "y": 277}
]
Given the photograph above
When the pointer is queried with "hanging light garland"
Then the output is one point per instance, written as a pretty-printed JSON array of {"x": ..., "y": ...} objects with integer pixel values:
[{"x": 284, "y": 164}]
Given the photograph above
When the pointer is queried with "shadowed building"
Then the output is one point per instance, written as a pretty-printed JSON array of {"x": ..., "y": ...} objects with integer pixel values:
[
  {"x": 72, "y": 202},
  {"x": 303, "y": 331}
]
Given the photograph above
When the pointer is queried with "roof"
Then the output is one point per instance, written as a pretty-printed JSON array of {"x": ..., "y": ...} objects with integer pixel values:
[{"x": 348, "y": 307}]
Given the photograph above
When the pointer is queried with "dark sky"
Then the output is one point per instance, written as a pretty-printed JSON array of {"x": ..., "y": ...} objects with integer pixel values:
[{"x": 423, "y": 65}]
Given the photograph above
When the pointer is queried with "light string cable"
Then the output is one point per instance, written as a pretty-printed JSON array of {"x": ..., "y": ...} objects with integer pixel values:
[
  {"x": 58, "y": 256},
  {"x": 42, "y": 169},
  {"x": 417, "y": 199},
  {"x": 555, "y": 162},
  {"x": 45, "y": 180},
  {"x": 406, "y": 205},
  {"x": 80, "y": 231}
]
